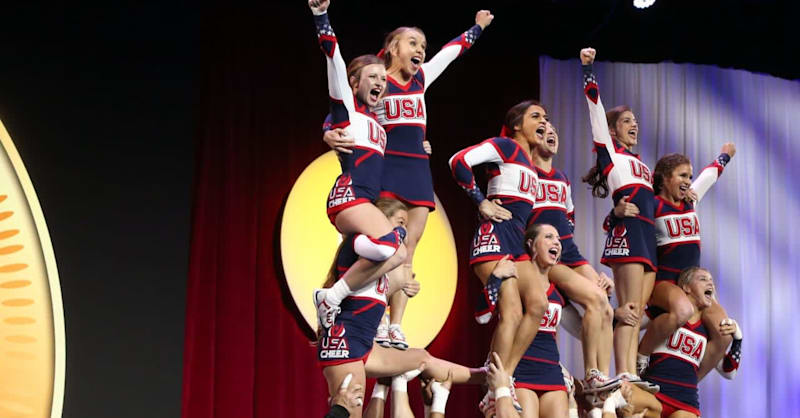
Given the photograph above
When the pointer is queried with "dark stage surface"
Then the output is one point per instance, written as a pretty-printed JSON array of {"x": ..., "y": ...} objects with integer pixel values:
[{"x": 101, "y": 103}]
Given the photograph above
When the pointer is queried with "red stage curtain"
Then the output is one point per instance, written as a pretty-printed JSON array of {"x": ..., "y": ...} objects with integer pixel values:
[{"x": 262, "y": 97}]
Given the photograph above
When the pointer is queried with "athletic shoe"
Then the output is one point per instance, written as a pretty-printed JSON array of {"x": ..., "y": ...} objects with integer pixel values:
[
  {"x": 326, "y": 314},
  {"x": 596, "y": 381},
  {"x": 396, "y": 337},
  {"x": 382, "y": 336},
  {"x": 637, "y": 381}
]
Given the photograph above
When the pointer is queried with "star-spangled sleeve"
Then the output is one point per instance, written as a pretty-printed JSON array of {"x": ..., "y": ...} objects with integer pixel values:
[{"x": 452, "y": 50}]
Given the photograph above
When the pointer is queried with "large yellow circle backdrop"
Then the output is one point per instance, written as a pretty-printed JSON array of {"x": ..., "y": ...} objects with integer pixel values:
[{"x": 309, "y": 242}]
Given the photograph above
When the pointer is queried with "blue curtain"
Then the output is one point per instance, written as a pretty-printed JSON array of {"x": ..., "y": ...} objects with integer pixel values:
[{"x": 748, "y": 220}]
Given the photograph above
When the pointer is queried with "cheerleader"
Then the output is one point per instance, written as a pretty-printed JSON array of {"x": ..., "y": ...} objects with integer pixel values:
[
  {"x": 403, "y": 113},
  {"x": 353, "y": 92},
  {"x": 675, "y": 363},
  {"x": 573, "y": 275},
  {"x": 497, "y": 252},
  {"x": 678, "y": 247},
  {"x": 630, "y": 247}
]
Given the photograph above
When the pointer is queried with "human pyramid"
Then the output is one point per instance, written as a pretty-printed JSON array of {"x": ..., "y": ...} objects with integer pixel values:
[{"x": 523, "y": 252}]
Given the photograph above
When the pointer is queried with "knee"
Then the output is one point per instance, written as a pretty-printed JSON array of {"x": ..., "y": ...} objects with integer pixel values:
[
  {"x": 536, "y": 306},
  {"x": 682, "y": 311},
  {"x": 598, "y": 301}
]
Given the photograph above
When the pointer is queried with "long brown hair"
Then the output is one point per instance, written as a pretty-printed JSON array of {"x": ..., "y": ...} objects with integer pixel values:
[
  {"x": 515, "y": 115},
  {"x": 531, "y": 233},
  {"x": 595, "y": 176},
  {"x": 358, "y": 64},
  {"x": 664, "y": 168},
  {"x": 389, "y": 207},
  {"x": 387, "y": 42}
]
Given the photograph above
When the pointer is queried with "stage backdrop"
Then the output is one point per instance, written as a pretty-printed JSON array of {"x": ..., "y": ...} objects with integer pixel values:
[
  {"x": 747, "y": 220},
  {"x": 263, "y": 100}
]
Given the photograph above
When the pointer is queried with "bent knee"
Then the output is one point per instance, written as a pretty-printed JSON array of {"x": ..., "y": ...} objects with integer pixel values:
[
  {"x": 683, "y": 311},
  {"x": 536, "y": 305}
]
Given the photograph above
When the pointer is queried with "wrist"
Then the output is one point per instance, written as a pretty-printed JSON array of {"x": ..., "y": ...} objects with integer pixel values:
[{"x": 502, "y": 392}]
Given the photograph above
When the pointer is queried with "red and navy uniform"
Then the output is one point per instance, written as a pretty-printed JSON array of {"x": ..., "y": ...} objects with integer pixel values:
[
  {"x": 554, "y": 206},
  {"x": 633, "y": 239},
  {"x": 406, "y": 171},
  {"x": 678, "y": 228},
  {"x": 539, "y": 368},
  {"x": 674, "y": 364},
  {"x": 512, "y": 179},
  {"x": 351, "y": 336},
  {"x": 361, "y": 171}
]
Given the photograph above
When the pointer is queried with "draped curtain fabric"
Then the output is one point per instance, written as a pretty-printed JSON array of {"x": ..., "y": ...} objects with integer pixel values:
[{"x": 748, "y": 220}]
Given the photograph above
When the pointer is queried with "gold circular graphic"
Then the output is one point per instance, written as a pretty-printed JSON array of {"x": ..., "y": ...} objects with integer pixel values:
[
  {"x": 32, "y": 350},
  {"x": 309, "y": 242}
]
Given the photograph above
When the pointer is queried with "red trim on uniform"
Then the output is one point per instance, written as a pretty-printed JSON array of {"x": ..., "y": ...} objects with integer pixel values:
[
  {"x": 608, "y": 169},
  {"x": 534, "y": 215},
  {"x": 669, "y": 269},
  {"x": 379, "y": 242},
  {"x": 402, "y": 93},
  {"x": 460, "y": 42},
  {"x": 683, "y": 208},
  {"x": 365, "y": 307},
  {"x": 676, "y": 404},
  {"x": 364, "y": 157},
  {"x": 425, "y": 203},
  {"x": 343, "y": 124},
  {"x": 543, "y": 388},
  {"x": 391, "y": 125},
  {"x": 672, "y": 382},
  {"x": 334, "y": 211},
  {"x": 510, "y": 198},
  {"x": 645, "y": 219},
  {"x": 363, "y": 358},
  {"x": 550, "y": 173},
  {"x": 625, "y": 260},
  {"x": 541, "y": 360},
  {"x": 492, "y": 257},
  {"x": 407, "y": 154},
  {"x": 568, "y": 236},
  {"x": 496, "y": 147},
  {"x": 403, "y": 87},
  {"x": 637, "y": 185},
  {"x": 575, "y": 264}
]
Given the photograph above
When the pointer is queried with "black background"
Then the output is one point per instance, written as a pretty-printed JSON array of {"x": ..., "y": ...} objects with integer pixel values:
[{"x": 100, "y": 101}]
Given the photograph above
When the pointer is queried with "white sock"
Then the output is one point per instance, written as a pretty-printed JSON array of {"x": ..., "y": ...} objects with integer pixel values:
[
  {"x": 614, "y": 402},
  {"x": 336, "y": 294},
  {"x": 399, "y": 384},
  {"x": 379, "y": 391},
  {"x": 440, "y": 395},
  {"x": 596, "y": 413}
]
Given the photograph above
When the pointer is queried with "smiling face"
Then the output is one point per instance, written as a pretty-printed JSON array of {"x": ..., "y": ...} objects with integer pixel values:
[
  {"x": 675, "y": 186},
  {"x": 626, "y": 129},
  {"x": 370, "y": 85},
  {"x": 700, "y": 289},
  {"x": 408, "y": 52},
  {"x": 544, "y": 246}
]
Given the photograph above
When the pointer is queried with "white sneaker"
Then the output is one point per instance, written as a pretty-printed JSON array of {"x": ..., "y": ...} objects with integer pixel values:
[
  {"x": 642, "y": 384},
  {"x": 397, "y": 338},
  {"x": 596, "y": 381},
  {"x": 326, "y": 314},
  {"x": 382, "y": 336}
]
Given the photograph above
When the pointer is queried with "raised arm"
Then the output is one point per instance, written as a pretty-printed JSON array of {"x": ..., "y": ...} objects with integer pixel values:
[
  {"x": 711, "y": 173},
  {"x": 453, "y": 49},
  {"x": 338, "y": 85},
  {"x": 597, "y": 113}
]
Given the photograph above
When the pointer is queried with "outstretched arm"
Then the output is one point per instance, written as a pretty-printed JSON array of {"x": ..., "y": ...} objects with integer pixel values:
[
  {"x": 711, "y": 173},
  {"x": 453, "y": 49},
  {"x": 597, "y": 113},
  {"x": 338, "y": 86}
]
